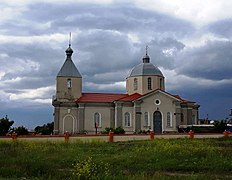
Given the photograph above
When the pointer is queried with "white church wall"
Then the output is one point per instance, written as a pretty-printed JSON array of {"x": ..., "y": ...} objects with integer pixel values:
[
  {"x": 104, "y": 117},
  {"x": 159, "y": 102},
  {"x": 130, "y": 110}
]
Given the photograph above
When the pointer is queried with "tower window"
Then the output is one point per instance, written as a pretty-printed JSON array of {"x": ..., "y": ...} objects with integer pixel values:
[
  {"x": 161, "y": 83},
  {"x": 135, "y": 84},
  {"x": 69, "y": 83},
  {"x": 149, "y": 85}
]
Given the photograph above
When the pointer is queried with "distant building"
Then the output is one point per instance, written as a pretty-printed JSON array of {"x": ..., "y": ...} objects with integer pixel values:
[{"x": 145, "y": 106}]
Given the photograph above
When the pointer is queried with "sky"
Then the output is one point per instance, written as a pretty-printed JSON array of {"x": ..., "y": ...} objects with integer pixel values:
[{"x": 189, "y": 41}]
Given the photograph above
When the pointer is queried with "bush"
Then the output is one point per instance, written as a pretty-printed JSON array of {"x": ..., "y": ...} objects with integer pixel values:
[
  {"x": 118, "y": 130},
  {"x": 5, "y": 125},
  {"x": 220, "y": 126},
  {"x": 46, "y": 129},
  {"x": 142, "y": 132},
  {"x": 21, "y": 130}
]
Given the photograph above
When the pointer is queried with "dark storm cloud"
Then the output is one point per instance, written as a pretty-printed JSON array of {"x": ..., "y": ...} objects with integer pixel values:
[
  {"x": 27, "y": 62},
  {"x": 57, "y": 17},
  {"x": 164, "y": 51},
  {"x": 222, "y": 28},
  {"x": 212, "y": 61},
  {"x": 104, "y": 51},
  {"x": 29, "y": 117},
  {"x": 214, "y": 100}
]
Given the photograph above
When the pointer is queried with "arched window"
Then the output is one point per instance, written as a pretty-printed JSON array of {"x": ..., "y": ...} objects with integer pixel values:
[
  {"x": 146, "y": 119},
  {"x": 182, "y": 117},
  {"x": 127, "y": 119},
  {"x": 161, "y": 83},
  {"x": 193, "y": 119},
  {"x": 149, "y": 85},
  {"x": 135, "y": 84},
  {"x": 169, "y": 119},
  {"x": 97, "y": 119},
  {"x": 69, "y": 83}
]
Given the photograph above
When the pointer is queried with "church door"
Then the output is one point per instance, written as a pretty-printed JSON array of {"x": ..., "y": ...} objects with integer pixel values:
[
  {"x": 157, "y": 122},
  {"x": 68, "y": 124}
]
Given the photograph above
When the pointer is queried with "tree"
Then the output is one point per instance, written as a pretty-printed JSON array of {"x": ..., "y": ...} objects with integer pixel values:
[
  {"x": 21, "y": 130},
  {"x": 220, "y": 126},
  {"x": 5, "y": 125},
  {"x": 46, "y": 129}
]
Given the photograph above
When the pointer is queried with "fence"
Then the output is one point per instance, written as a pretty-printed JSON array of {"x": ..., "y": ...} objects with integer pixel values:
[{"x": 111, "y": 137}]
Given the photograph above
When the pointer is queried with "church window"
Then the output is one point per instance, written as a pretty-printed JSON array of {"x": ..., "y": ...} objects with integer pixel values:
[
  {"x": 149, "y": 84},
  {"x": 69, "y": 83},
  {"x": 182, "y": 117},
  {"x": 157, "y": 102},
  {"x": 97, "y": 119},
  {"x": 169, "y": 119},
  {"x": 135, "y": 84},
  {"x": 146, "y": 119},
  {"x": 127, "y": 119},
  {"x": 161, "y": 83},
  {"x": 193, "y": 119}
]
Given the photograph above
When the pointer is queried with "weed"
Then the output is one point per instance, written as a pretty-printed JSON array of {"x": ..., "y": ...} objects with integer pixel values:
[{"x": 88, "y": 169}]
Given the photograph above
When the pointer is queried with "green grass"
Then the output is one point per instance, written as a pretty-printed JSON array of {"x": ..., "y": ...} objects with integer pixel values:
[{"x": 158, "y": 159}]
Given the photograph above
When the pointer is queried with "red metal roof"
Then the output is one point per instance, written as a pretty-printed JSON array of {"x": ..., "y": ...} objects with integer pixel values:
[
  {"x": 100, "y": 97},
  {"x": 131, "y": 97},
  {"x": 184, "y": 100},
  {"x": 111, "y": 97}
]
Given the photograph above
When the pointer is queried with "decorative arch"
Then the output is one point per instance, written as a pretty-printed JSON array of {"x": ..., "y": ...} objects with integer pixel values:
[{"x": 69, "y": 123}]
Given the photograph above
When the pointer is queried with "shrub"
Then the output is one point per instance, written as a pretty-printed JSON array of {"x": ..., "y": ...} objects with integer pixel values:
[
  {"x": 142, "y": 132},
  {"x": 21, "y": 130},
  {"x": 219, "y": 126},
  {"x": 5, "y": 125},
  {"x": 118, "y": 130},
  {"x": 46, "y": 129}
]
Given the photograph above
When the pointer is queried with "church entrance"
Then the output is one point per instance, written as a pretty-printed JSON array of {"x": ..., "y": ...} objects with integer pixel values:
[
  {"x": 68, "y": 124},
  {"x": 157, "y": 122}
]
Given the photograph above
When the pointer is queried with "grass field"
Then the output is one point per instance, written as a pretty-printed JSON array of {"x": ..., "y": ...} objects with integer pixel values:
[{"x": 158, "y": 159}]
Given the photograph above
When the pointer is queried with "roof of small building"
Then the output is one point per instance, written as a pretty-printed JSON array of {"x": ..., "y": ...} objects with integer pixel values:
[{"x": 69, "y": 69}]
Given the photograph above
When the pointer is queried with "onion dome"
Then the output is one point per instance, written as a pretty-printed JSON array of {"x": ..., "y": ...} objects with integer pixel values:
[{"x": 69, "y": 69}]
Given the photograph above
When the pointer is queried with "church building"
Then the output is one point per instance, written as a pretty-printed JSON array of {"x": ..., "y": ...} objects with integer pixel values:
[{"x": 145, "y": 105}]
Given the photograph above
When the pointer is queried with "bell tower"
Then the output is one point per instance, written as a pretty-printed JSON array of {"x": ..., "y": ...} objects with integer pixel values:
[
  {"x": 68, "y": 80},
  {"x": 68, "y": 89}
]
